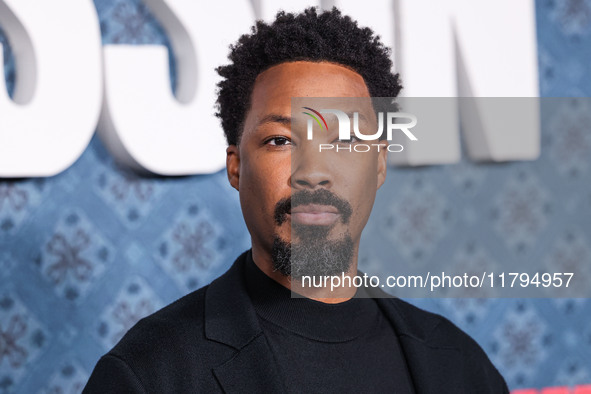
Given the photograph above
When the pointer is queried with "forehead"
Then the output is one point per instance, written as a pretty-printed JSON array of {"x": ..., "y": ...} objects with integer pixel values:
[
  {"x": 275, "y": 87},
  {"x": 311, "y": 79}
]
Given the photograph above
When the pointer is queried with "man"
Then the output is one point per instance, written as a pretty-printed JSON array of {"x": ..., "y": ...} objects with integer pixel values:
[{"x": 305, "y": 212}]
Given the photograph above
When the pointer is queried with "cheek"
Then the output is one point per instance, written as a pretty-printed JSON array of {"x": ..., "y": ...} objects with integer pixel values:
[
  {"x": 362, "y": 187},
  {"x": 264, "y": 183}
]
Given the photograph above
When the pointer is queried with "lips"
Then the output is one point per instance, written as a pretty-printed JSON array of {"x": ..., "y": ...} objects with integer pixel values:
[{"x": 314, "y": 215}]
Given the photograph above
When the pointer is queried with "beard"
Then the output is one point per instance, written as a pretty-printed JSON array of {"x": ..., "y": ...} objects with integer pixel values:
[
  {"x": 314, "y": 254},
  {"x": 314, "y": 258}
]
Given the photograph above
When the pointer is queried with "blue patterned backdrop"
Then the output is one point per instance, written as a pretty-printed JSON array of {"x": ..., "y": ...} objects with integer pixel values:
[{"x": 85, "y": 254}]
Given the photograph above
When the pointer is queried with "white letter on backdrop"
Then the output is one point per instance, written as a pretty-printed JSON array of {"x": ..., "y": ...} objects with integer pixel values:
[
  {"x": 497, "y": 58},
  {"x": 142, "y": 123},
  {"x": 57, "y": 98}
]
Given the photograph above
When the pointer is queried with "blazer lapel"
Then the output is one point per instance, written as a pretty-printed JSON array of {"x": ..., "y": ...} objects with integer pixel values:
[
  {"x": 252, "y": 370},
  {"x": 433, "y": 370},
  {"x": 432, "y": 366},
  {"x": 230, "y": 319}
]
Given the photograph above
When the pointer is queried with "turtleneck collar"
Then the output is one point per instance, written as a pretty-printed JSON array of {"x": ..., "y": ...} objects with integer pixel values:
[{"x": 311, "y": 319}]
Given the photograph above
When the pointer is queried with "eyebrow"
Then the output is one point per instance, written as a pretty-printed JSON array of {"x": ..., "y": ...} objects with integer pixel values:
[
  {"x": 286, "y": 120},
  {"x": 275, "y": 118}
]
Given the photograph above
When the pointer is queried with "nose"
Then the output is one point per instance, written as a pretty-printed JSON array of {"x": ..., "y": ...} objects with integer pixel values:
[{"x": 311, "y": 170}]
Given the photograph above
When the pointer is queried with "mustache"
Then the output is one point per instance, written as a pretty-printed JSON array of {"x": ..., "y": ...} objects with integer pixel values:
[{"x": 306, "y": 197}]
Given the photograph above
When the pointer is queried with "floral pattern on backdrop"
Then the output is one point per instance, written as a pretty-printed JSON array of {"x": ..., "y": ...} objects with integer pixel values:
[{"x": 85, "y": 254}]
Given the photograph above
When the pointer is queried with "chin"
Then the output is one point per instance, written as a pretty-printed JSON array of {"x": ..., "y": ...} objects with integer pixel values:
[{"x": 313, "y": 256}]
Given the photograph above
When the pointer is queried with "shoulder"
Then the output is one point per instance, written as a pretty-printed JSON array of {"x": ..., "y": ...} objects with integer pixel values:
[
  {"x": 169, "y": 350},
  {"x": 170, "y": 327},
  {"x": 154, "y": 354},
  {"x": 170, "y": 339},
  {"x": 180, "y": 327}
]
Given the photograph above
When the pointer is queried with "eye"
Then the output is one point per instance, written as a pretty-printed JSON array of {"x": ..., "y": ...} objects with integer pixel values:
[
  {"x": 353, "y": 139},
  {"x": 278, "y": 141}
]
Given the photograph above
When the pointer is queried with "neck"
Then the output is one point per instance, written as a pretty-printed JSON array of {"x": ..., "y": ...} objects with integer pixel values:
[{"x": 327, "y": 289}]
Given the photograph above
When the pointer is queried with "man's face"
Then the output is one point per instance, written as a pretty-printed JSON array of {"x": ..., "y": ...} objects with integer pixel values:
[{"x": 333, "y": 193}]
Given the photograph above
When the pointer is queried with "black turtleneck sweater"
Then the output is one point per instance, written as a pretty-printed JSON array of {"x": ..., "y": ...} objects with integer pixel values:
[{"x": 328, "y": 348}]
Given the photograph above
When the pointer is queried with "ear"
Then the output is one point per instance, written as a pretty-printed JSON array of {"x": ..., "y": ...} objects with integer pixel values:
[
  {"x": 382, "y": 164},
  {"x": 233, "y": 165}
]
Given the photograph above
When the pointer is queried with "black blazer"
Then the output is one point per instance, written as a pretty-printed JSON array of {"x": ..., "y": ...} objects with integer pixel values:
[{"x": 210, "y": 341}]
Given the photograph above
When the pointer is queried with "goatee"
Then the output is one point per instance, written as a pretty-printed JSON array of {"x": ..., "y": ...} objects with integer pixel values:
[
  {"x": 319, "y": 257},
  {"x": 314, "y": 254}
]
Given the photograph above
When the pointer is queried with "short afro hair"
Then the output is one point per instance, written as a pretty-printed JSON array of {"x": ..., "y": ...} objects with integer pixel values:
[{"x": 309, "y": 36}]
